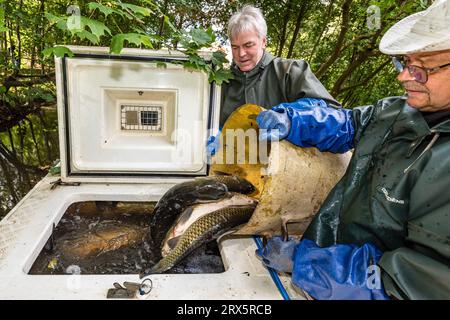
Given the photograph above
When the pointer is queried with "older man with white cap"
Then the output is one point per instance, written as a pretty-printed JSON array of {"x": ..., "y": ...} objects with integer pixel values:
[{"x": 384, "y": 230}]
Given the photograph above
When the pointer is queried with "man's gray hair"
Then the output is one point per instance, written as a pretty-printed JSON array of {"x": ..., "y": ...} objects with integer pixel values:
[{"x": 249, "y": 18}]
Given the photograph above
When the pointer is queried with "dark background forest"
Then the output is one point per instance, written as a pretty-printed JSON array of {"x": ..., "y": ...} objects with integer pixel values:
[{"x": 339, "y": 38}]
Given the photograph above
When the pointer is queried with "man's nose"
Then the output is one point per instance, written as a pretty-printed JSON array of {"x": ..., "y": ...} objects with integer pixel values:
[
  {"x": 242, "y": 52},
  {"x": 405, "y": 76}
]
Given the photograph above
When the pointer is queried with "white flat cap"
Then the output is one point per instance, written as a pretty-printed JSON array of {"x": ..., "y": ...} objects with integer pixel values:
[{"x": 425, "y": 31}]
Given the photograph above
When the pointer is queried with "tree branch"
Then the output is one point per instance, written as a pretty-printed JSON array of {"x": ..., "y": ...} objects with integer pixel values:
[{"x": 335, "y": 54}]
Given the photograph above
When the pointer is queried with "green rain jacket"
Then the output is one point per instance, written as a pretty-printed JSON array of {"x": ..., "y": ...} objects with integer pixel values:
[
  {"x": 396, "y": 195},
  {"x": 271, "y": 82}
]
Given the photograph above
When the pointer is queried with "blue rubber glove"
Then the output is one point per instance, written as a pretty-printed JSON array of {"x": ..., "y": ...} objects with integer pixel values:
[
  {"x": 304, "y": 102},
  {"x": 313, "y": 124},
  {"x": 342, "y": 271},
  {"x": 278, "y": 254},
  {"x": 273, "y": 125},
  {"x": 213, "y": 144}
]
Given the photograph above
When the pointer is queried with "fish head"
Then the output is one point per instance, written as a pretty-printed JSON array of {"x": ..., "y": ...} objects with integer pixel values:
[
  {"x": 208, "y": 189},
  {"x": 239, "y": 199}
]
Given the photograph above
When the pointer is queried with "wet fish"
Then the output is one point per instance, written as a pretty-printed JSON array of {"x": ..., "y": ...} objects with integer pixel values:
[
  {"x": 234, "y": 183},
  {"x": 107, "y": 236},
  {"x": 205, "y": 229},
  {"x": 193, "y": 213},
  {"x": 183, "y": 195}
]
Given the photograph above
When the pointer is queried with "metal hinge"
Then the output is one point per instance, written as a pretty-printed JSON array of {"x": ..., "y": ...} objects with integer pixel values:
[{"x": 61, "y": 183}]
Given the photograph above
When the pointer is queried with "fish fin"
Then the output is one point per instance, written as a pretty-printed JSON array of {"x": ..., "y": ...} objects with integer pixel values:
[
  {"x": 226, "y": 195},
  {"x": 173, "y": 242},
  {"x": 185, "y": 215},
  {"x": 221, "y": 173}
]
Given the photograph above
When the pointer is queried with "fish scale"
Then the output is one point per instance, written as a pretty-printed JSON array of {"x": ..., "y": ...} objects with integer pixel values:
[
  {"x": 182, "y": 195},
  {"x": 205, "y": 229}
]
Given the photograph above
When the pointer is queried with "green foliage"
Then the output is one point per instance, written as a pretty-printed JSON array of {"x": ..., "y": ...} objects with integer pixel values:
[
  {"x": 196, "y": 39},
  {"x": 117, "y": 41},
  {"x": 106, "y": 10},
  {"x": 108, "y": 27},
  {"x": 59, "y": 51}
]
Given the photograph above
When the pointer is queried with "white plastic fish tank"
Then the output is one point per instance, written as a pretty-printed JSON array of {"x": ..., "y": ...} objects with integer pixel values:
[
  {"x": 131, "y": 126},
  {"x": 133, "y": 116}
]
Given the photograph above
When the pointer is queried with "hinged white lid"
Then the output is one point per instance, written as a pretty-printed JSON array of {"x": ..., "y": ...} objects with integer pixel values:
[{"x": 124, "y": 118}]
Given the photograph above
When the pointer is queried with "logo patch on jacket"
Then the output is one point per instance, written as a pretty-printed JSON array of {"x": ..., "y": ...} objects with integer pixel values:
[{"x": 391, "y": 199}]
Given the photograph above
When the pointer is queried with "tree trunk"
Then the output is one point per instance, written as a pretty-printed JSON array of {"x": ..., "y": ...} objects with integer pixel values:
[
  {"x": 41, "y": 44},
  {"x": 284, "y": 29},
  {"x": 335, "y": 54},
  {"x": 300, "y": 16},
  {"x": 36, "y": 144},
  {"x": 8, "y": 180},
  {"x": 350, "y": 69},
  {"x": 161, "y": 24},
  {"x": 46, "y": 136},
  {"x": 361, "y": 57},
  {"x": 323, "y": 29},
  {"x": 365, "y": 81},
  {"x": 11, "y": 140},
  {"x": 179, "y": 26},
  {"x": 21, "y": 132},
  {"x": 19, "y": 42}
]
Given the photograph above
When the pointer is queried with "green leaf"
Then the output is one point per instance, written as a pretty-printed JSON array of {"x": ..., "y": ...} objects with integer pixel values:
[
  {"x": 103, "y": 9},
  {"x": 221, "y": 76},
  {"x": 97, "y": 28},
  {"x": 137, "y": 29},
  {"x": 145, "y": 40},
  {"x": 55, "y": 170},
  {"x": 138, "y": 10},
  {"x": 54, "y": 18},
  {"x": 190, "y": 66},
  {"x": 116, "y": 45},
  {"x": 171, "y": 26},
  {"x": 58, "y": 51},
  {"x": 150, "y": 3},
  {"x": 87, "y": 35},
  {"x": 201, "y": 37},
  {"x": 2, "y": 89},
  {"x": 48, "y": 97},
  {"x": 219, "y": 58},
  {"x": 196, "y": 59},
  {"x": 135, "y": 38}
]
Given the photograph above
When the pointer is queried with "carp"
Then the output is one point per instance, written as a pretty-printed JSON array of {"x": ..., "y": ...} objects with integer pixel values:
[
  {"x": 105, "y": 237},
  {"x": 185, "y": 194},
  {"x": 207, "y": 228},
  {"x": 193, "y": 213}
]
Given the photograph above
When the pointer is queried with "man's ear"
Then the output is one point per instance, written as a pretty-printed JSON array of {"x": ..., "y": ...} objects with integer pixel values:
[{"x": 264, "y": 42}]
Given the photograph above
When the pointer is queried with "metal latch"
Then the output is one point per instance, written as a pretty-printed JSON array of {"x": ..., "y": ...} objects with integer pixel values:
[
  {"x": 61, "y": 183},
  {"x": 129, "y": 289}
]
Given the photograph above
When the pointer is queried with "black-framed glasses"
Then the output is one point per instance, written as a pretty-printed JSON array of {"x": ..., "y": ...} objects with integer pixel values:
[{"x": 420, "y": 74}]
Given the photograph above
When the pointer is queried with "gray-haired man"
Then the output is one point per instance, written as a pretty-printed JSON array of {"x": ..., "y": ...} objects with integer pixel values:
[
  {"x": 390, "y": 213},
  {"x": 259, "y": 77}
]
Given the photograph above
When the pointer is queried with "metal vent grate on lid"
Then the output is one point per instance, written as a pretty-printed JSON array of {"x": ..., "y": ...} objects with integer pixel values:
[{"x": 140, "y": 117}]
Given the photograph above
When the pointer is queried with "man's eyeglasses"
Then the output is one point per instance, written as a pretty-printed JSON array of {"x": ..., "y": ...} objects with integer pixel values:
[{"x": 419, "y": 74}]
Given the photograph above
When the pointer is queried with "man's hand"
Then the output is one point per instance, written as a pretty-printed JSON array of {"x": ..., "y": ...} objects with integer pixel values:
[
  {"x": 278, "y": 254},
  {"x": 338, "y": 272},
  {"x": 273, "y": 125}
]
